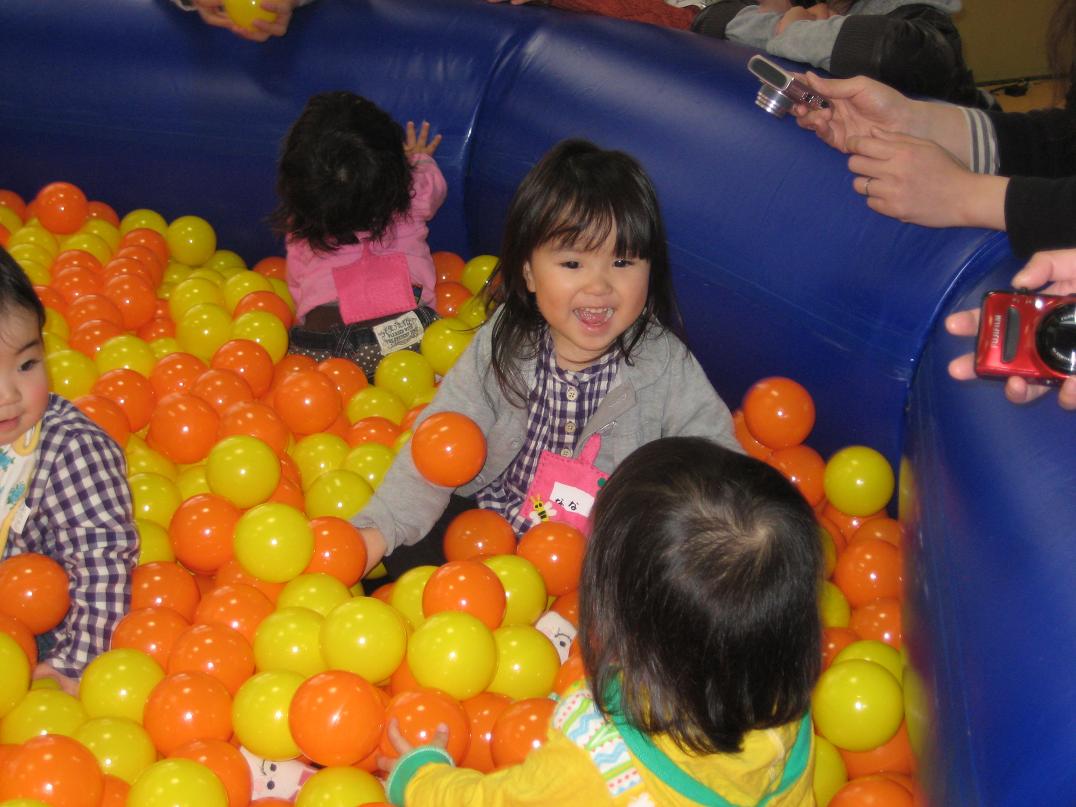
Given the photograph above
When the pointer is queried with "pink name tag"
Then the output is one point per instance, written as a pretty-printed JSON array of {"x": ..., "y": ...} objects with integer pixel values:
[{"x": 372, "y": 287}]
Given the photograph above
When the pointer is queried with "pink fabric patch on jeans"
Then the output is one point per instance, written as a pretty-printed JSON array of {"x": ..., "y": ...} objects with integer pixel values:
[{"x": 372, "y": 287}]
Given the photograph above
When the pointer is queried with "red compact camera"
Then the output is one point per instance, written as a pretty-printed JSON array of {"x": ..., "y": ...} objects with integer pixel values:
[{"x": 1029, "y": 335}]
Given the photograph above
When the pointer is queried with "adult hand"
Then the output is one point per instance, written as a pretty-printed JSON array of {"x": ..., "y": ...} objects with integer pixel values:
[
  {"x": 402, "y": 746},
  {"x": 857, "y": 107},
  {"x": 794, "y": 14},
  {"x": 1058, "y": 269},
  {"x": 420, "y": 143},
  {"x": 212, "y": 13}
]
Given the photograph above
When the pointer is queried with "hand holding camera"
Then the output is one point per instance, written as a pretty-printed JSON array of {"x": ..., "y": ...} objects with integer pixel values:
[
  {"x": 781, "y": 90},
  {"x": 1029, "y": 337}
]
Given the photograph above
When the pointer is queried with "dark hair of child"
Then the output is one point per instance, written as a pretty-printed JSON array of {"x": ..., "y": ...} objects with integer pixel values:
[
  {"x": 699, "y": 595},
  {"x": 16, "y": 290},
  {"x": 576, "y": 195},
  {"x": 342, "y": 171}
]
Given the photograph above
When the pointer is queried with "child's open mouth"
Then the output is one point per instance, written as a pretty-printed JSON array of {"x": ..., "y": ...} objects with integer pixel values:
[{"x": 594, "y": 317}]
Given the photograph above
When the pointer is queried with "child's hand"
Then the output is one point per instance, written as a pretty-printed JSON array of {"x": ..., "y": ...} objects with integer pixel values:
[
  {"x": 1044, "y": 267},
  {"x": 794, "y": 14},
  {"x": 375, "y": 547},
  {"x": 417, "y": 144},
  {"x": 46, "y": 670},
  {"x": 212, "y": 13},
  {"x": 402, "y": 746}
]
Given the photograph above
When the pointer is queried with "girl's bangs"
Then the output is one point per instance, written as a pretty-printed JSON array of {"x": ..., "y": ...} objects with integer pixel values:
[{"x": 586, "y": 224}]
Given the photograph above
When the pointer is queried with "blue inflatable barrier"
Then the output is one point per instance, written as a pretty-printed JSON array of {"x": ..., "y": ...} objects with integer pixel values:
[{"x": 780, "y": 269}]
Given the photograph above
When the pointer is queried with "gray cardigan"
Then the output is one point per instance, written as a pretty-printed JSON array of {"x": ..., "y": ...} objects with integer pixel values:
[{"x": 663, "y": 392}]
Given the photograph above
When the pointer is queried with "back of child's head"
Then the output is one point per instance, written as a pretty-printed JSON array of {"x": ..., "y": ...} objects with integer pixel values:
[
  {"x": 578, "y": 195},
  {"x": 17, "y": 292},
  {"x": 699, "y": 595},
  {"x": 342, "y": 170}
]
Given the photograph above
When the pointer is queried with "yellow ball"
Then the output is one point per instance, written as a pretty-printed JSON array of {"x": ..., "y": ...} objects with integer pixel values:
[
  {"x": 477, "y": 271},
  {"x": 56, "y": 324},
  {"x": 830, "y": 774},
  {"x": 42, "y": 711},
  {"x": 71, "y": 374},
  {"x": 141, "y": 459},
  {"x": 103, "y": 230},
  {"x": 241, "y": 284},
  {"x": 244, "y": 12},
  {"x": 873, "y": 650},
  {"x": 376, "y": 402},
  {"x": 155, "y": 498},
  {"x": 371, "y": 461},
  {"x": 858, "y": 481},
  {"x": 203, "y": 329},
  {"x": 833, "y": 607},
  {"x": 260, "y": 714},
  {"x": 37, "y": 272},
  {"x": 527, "y": 663},
  {"x": 117, "y": 684},
  {"x": 280, "y": 288},
  {"x": 165, "y": 346},
  {"x": 406, "y": 374},
  {"x": 212, "y": 275},
  {"x": 14, "y": 674},
  {"x": 36, "y": 235},
  {"x": 829, "y": 552},
  {"x": 338, "y": 786},
  {"x": 916, "y": 709},
  {"x": 192, "y": 481},
  {"x": 407, "y": 593},
  {"x": 153, "y": 542},
  {"x": 524, "y": 588},
  {"x": 10, "y": 220},
  {"x": 289, "y": 639},
  {"x": 317, "y": 453},
  {"x": 364, "y": 636},
  {"x": 454, "y": 652},
  {"x": 122, "y": 747},
  {"x": 243, "y": 470},
  {"x": 857, "y": 705},
  {"x": 444, "y": 342},
  {"x": 264, "y": 328},
  {"x": 177, "y": 782},
  {"x": 125, "y": 352},
  {"x": 337, "y": 493},
  {"x": 88, "y": 242},
  {"x": 319, "y": 592},
  {"x": 34, "y": 253},
  {"x": 143, "y": 218},
  {"x": 273, "y": 542},
  {"x": 225, "y": 259},
  {"x": 191, "y": 240},
  {"x": 192, "y": 291}
]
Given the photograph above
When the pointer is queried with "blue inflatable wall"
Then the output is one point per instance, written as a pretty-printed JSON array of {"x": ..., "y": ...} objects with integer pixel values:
[{"x": 780, "y": 269}]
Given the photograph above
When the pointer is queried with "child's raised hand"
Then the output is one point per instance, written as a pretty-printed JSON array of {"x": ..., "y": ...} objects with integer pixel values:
[
  {"x": 46, "y": 670},
  {"x": 420, "y": 143},
  {"x": 402, "y": 746},
  {"x": 1058, "y": 268}
]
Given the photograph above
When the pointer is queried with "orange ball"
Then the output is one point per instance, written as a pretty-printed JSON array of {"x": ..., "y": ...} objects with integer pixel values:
[
  {"x": 131, "y": 392},
  {"x": 567, "y": 605},
  {"x": 448, "y": 449},
  {"x": 803, "y": 467},
  {"x": 846, "y": 524},
  {"x": 336, "y": 718},
  {"x": 34, "y": 590},
  {"x": 249, "y": 360},
  {"x": 147, "y": 258},
  {"x": 102, "y": 211},
  {"x": 556, "y": 550},
  {"x": 779, "y": 412},
  {"x": 163, "y": 584},
  {"x": 482, "y": 712},
  {"x": 226, "y": 761},
  {"x": 221, "y": 389},
  {"x": 291, "y": 363},
  {"x": 130, "y": 267},
  {"x": 22, "y": 636},
  {"x": 449, "y": 297},
  {"x": 53, "y": 769},
  {"x": 869, "y": 569},
  {"x": 255, "y": 420},
  {"x": 91, "y": 307},
  {"x": 449, "y": 266},
  {"x": 479, "y": 533},
  {"x": 155, "y": 329},
  {"x": 882, "y": 529},
  {"x": 13, "y": 202},
  {"x": 115, "y": 792},
  {"x": 265, "y": 301},
  {"x": 61, "y": 207},
  {"x": 893, "y": 756},
  {"x": 347, "y": 376},
  {"x": 879, "y": 620},
  {"x": 135, "y": 298},
  {"x": 339, "y": 550},
  {"x": 185, "y": 707},
  {"x": 215, "y": 650},
  {"x": 183, "y": 427},
  {"x": 307, "y": 402},
  {"x": 202, "y": 532},
  {"x": 75, "y": 257},
  {"x": 834, "y": 640},
  {"x": 153, "y": 631},
  {"x": 176, "y": 372},
  {"x": 373, "y": 430},
  {"x": 108, "y": 415},
  {"x": 468, "y": 586},
  {"x": 402, "y": 679},
  {"x": 88, "y": 337},
  {"x": 52, "y": 299},
  {"x": 520, "y": 729},
  {"x": 151, "y": 239},
  {"x": 232, "y": 573},
  {"x": 239, "y": 607},
  {"x": 747, "y": 440},
  {"x": 419, "y": 713},
  {"x": 571, "y": 670},
  {"x": 289, "y": 493},
  {"x": 872, "y": 791},
  {"x": 273, "y": 266}
]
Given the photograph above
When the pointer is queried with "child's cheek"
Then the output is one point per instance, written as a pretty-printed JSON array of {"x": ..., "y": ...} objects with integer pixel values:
[{"x": 37, "y": 394}]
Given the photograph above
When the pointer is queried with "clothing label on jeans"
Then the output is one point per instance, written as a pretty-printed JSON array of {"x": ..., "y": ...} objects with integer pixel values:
[{"x": 396, "y": 334}]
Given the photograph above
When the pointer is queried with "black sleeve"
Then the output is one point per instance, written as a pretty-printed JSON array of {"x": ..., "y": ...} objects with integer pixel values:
[
  {"x": 1040, "y": 214},
  {"x": 915, "y": 49},
  {"x": 713, "y": 19},
  {"x": 1040, "y": 143}
]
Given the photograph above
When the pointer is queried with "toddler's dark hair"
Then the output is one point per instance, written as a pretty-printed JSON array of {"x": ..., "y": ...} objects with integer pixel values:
[
  {"x": 342, "y": 170},
  {"x": 16, "y": 290},
  {"x": 699, "y": 595}
]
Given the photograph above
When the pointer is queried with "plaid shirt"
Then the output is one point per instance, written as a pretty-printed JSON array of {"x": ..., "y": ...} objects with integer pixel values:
[
  {"x": 80, "y": 515},
  {"x": 561, "y": 403}
]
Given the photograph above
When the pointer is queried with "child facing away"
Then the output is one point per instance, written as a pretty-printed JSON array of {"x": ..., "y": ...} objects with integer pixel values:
[
  {"x": 912, "y": 46},
  {"x": 577, "y": 368},
  {"x": 63, "y": 489},
  {"x": 700, "y": 637},
  {"x": 355, "y": 196}
]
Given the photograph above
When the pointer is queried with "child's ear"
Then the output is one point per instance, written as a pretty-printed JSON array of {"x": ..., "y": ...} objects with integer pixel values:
[{"x": 528, "y": 276}]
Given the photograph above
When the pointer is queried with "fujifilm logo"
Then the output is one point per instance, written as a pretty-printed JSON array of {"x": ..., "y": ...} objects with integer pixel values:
[{"x": 995, "y": 330}]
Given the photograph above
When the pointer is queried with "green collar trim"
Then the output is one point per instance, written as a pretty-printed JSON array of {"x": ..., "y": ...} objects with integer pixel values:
[{"x": 673, "y": 775}]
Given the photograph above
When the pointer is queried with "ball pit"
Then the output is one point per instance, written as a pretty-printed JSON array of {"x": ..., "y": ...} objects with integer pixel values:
[{"x": 859, "y": 333}]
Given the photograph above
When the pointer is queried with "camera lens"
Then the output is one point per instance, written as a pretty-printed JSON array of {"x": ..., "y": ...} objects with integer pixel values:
[
  {"x": 773, "y": 101},
  {"x": 1056, "y": 339}
]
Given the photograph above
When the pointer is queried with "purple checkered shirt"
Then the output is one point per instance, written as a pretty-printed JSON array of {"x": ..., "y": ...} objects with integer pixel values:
[
  {"x": 561, "y": 403},
  {"x": 81, "y": 517}
]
